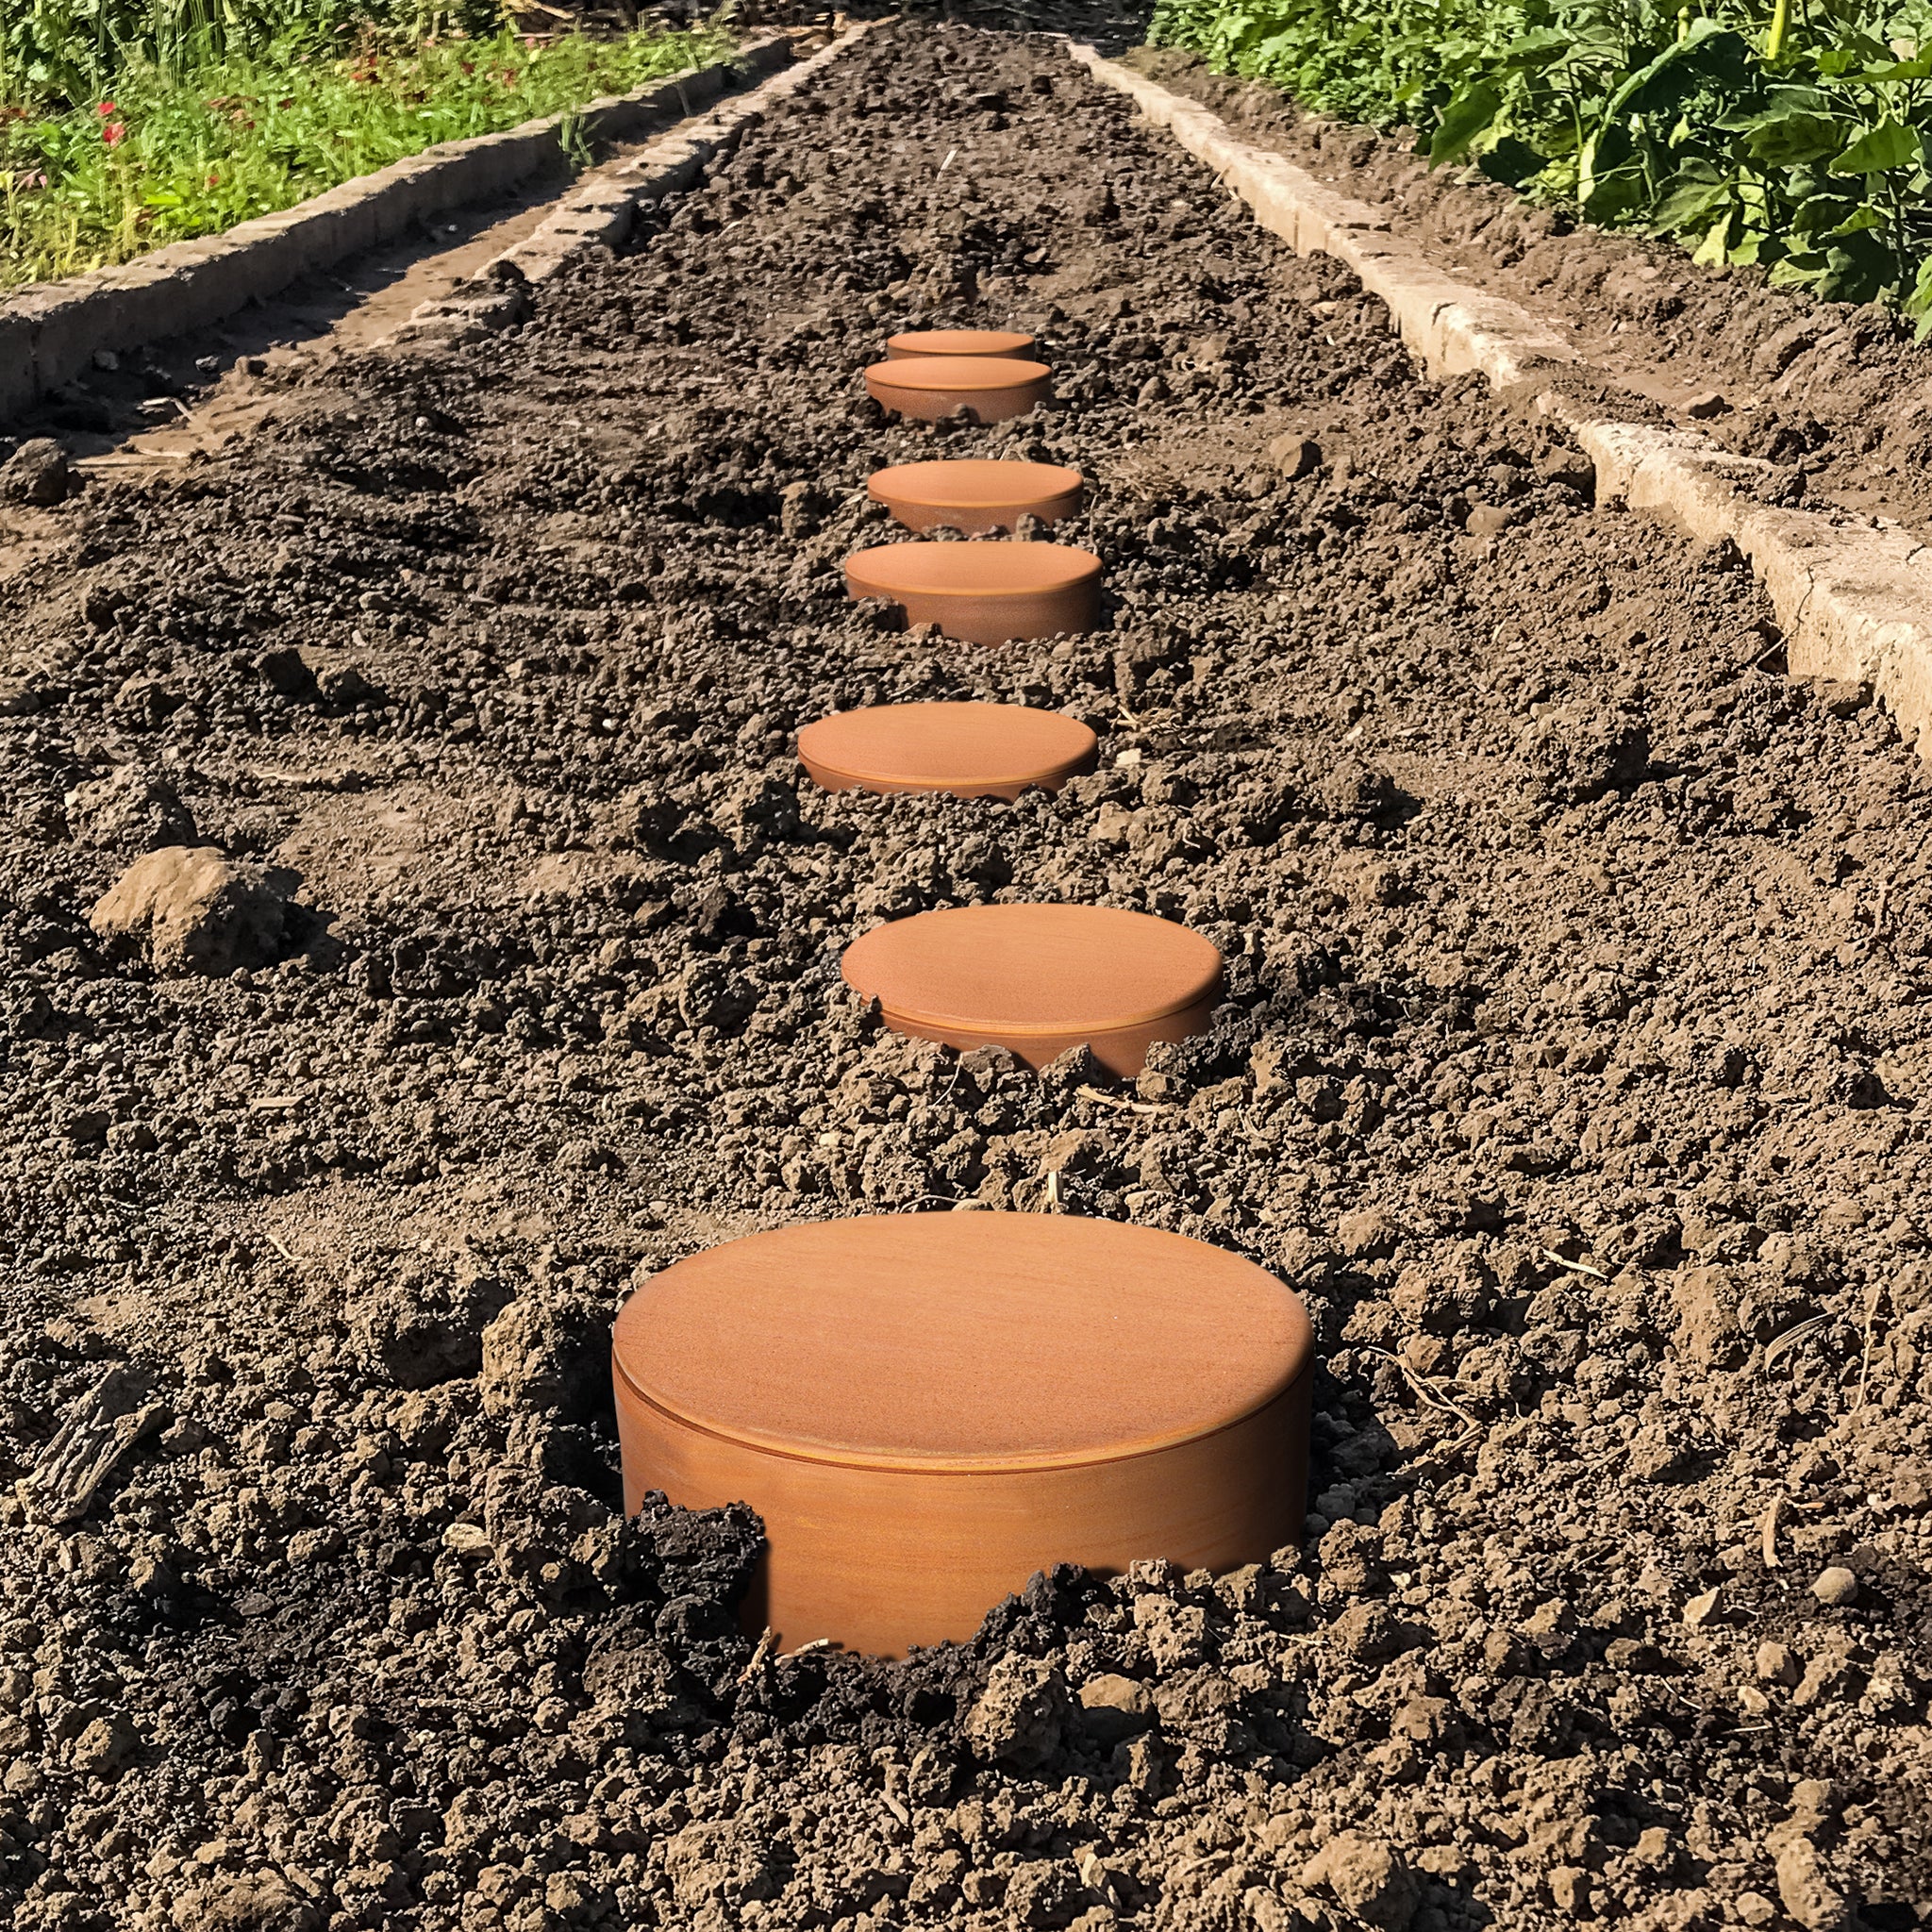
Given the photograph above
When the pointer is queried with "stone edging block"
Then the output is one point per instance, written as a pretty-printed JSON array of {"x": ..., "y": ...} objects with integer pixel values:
[
  {"x": 1851, "y": 598},
  {"x": 604, "y": 207},
  {"x": 51, "y": 331}
]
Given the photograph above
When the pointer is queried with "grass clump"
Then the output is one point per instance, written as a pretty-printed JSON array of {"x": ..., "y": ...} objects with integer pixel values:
[
  {"x": 188, "y": 140},
  {"x": 1795, "y": 135}
]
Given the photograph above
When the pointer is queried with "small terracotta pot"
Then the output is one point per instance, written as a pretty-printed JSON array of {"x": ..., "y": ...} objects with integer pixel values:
[
  {"x": 975, "y": 495},
  {"x": 929, "y": 388},
  {"x": 984, "y": 594},
  {"x": 928, "y": 1408},
  {"x": 956, "y": 341},
  {"x": 1039, "y": 979},
  {"x": 972, "y": 751}
]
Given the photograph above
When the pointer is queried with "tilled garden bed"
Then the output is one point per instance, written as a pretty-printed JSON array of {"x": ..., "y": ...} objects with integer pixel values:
[{"x": 1574, "y": 1067}]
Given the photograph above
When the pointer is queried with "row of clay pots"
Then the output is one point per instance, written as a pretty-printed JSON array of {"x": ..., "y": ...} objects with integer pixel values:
[
  {"x": 1035, "y": 979},
  {"x": 927, "y": 1408},
  {"x": 977, "y": 593}
]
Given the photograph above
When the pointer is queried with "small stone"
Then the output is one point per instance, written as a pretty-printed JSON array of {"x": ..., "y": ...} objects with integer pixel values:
[
  {"x": 1776, "y": 1665},
  {"x": 1368, "y": 1232},
  {"x": 1701, "y": 1610},
  {"x": 1369, "y": 1632},
  {"x": 244, "y": 1902},
  {"x": 1043, "y": 1892},
  {"x": 1488, "y": 519},
  {"x": 1836, "y": 1587},
  {"x": 1570, "y": 1890},
  {"x": 1568, "y": 468},
  {"x": 1700, "y": 408},
  {"x": 1753, "y": 1908},
  {"x": 1656, "y": 1847}
]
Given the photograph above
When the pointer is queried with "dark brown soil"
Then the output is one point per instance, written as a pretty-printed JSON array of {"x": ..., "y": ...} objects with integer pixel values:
[
  {"x": 1575, "y": 1067},
  {"x": 1839, "y": 396}
]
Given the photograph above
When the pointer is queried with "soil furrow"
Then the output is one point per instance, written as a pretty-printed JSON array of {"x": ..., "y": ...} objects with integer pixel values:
[{"x": 1574, "y": 1067}]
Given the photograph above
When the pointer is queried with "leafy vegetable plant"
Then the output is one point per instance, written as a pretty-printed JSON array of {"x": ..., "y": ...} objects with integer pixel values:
[{"x": 1796, "y": 137}]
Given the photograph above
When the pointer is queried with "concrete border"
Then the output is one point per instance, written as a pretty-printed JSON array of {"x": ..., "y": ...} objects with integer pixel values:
[
  {"x": 1851, "y": 595},
  {"x": 603, "y": 208},
  {"x": 51, "y": 331}
]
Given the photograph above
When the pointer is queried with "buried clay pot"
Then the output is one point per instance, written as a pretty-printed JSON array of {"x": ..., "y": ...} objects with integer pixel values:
[
  {"x": 969, "y": 750},
  {"x": 929, "y": 389},
  {"x": 981, "y": 593},
  {"x": 928, "y": 1408},
  {"x": 1039, "y": 979},
  {"x": 975, "y": 495},
  {"x": 956, "y": 341}
]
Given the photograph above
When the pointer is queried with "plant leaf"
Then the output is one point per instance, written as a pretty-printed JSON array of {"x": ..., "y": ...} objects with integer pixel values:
[
  {"x": 1878, "y": 150},
  {"x": 1464, "y": 120}
]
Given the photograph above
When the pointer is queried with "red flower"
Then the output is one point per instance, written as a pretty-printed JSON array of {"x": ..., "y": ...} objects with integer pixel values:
[
  {"x": 106, "y": 108},
  {"x": 114, "y": 132}
]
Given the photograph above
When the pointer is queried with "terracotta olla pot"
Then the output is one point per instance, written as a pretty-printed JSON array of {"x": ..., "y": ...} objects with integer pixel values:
[
  {"x": 975, "y": 495},
  {"x": 956, "y": 341},
  {"x": 930, "y": 387},
  {"x": 928, "y": 1408},
  {"x": 981, "y": 593},
  {"x": 972, "y": 751},
  {"x": 1039, "y": 979}
]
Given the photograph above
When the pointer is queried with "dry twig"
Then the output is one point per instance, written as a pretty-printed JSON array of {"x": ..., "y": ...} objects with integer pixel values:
[
  {"x": 1865, "y": 1365},
  {"x": 1428, "y": 1392},
  {"x": 766, "y": 1645},
  {"x": 1121, "y": 1102},
  {"x": 1793, "y": 1335},
  {"x": 1574, "y": 1267}
]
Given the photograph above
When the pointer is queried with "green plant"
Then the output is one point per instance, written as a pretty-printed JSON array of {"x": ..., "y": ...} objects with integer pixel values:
[
  {"x": 1796, "y": 137},
  {"x": 172, "y": 152},
  {"x": 69, "y": 52}
]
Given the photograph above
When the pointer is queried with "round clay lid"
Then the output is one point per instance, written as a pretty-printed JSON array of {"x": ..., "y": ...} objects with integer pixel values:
[
  {"x": 1033, "y": 968},
  {"x": 968, "y": 1340},
  {"x": 958, "y": 341},
  {"x": 957, "y": 373},
  {"x": 940, "y": 746},
  {"x": 975, "y": 483},
  {"x": 970, "y": 569}
]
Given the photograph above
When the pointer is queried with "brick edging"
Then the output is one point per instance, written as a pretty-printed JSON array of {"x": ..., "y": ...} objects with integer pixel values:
[
  {"x": 602, "y": 209},
  {"x": 1852, "y": 599},
  {"x": 51, "y": 331}
]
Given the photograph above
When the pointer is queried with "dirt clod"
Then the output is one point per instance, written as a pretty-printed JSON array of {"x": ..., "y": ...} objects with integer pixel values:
[
  {"x": 1368, "y": 1877},
  {"x": 198, "y": 910},
  {"x": 37, "y": 474}
]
